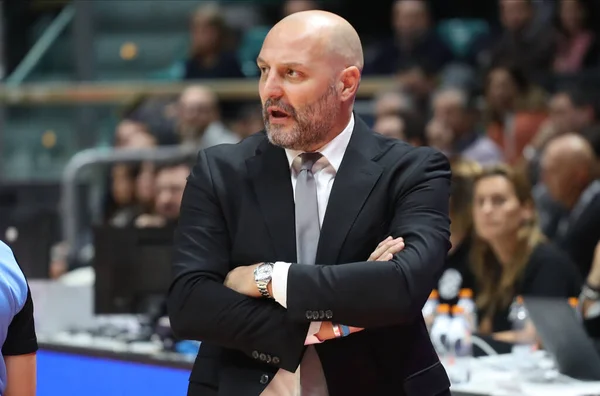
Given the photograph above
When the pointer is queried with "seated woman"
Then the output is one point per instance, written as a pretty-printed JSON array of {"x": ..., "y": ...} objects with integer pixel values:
[{"x": 509, "y": 255}]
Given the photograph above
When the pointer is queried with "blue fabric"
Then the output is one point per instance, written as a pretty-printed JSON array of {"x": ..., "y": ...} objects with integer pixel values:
[{"x": 13, "y": 294}]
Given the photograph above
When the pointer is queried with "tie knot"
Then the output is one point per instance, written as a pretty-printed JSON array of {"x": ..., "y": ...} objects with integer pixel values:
[{"x": 308, "y": 160}]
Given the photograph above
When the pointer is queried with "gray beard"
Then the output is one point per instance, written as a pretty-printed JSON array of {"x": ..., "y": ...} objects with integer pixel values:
[{"x": 313, "y": 123}]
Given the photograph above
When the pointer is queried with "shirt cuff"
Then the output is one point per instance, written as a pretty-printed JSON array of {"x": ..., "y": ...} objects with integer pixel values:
[
  {"x": 279, "y": 282},
  {"x": 313, "y": 329}
]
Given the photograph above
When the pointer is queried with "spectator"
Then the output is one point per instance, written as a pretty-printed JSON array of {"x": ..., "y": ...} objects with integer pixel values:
[
  {"x": 414, "y": 40},
  {"x": 170, "y": 181},
  {"x": 570, "y": 110},
  {"x": 391, "y": 126},
  {"x": 568, "y": 172},
  {"x": 122, "y": 207},
  {"x": 210, "y": 56},
  {"x": 524, "y": 42},
  {"x": 578, "y": 47},
  {"x": 417, "y": 80},
  {"x": 457, "y": 114},
  {"x": 515, "y": 110},
  {"x": 510, "y": 256},
  {"x": 132, "y": 133},
  {"x": 391, "y": 102},
  {"x": 199, "y": 120},
  {"x": 457, "y": 272}
]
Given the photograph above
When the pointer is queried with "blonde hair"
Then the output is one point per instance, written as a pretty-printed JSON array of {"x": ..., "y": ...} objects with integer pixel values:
[
  {"x": 497, "y": 285},
  {"x": 464, "y": 173}
]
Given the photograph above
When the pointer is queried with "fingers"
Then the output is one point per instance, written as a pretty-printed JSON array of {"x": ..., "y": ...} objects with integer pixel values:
[
  {"x": 387, "y": 247},
  {"x": 382, "y": 247},
  {"x": 389, "y": 254}
]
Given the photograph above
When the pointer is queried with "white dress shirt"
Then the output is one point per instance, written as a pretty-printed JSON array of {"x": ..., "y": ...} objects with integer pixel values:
[{"x": 285, "y": 383}]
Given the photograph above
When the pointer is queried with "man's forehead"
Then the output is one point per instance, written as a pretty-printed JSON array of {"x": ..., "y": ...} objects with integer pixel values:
[{"x": 287, "y": 47}]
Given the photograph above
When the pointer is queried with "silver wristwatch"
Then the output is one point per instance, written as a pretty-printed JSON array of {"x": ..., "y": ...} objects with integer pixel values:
[{"x": 262, "y": 278}]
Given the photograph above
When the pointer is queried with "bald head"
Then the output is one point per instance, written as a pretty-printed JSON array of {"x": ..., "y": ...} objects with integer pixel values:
[
  {"x": 570, "y": 150},
  {"x": 568, "y": 168},
  {"x": 331, "y": 34},
  {"x": 310, "y": 69}
]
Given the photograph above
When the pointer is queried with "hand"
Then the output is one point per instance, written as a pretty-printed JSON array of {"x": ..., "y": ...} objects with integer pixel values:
[
  {"x": 386, "y": 249},
  {"x": 241, "y": 279}
]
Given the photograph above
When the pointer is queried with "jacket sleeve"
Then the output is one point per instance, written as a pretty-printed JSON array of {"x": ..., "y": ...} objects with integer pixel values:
[
  {"x": 201, "y": 307},
  {"x": 371, "y": 294}
]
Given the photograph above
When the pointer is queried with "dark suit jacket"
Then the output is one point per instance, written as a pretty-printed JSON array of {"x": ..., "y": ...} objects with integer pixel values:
[
  {"x": 583, "y": 234},
  {"x": 238, "y": 209}
]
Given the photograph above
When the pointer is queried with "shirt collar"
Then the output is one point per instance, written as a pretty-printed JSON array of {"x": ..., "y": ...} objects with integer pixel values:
[{"x": 332, "y": 151}]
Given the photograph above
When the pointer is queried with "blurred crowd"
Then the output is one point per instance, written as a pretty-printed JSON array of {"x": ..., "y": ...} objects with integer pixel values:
[{"x": 522, "y": 135}]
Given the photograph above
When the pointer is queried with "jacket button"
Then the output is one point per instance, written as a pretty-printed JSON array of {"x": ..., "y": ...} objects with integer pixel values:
[
  {"x": 321, "y": 315},
  {"x": 255, "y": 354},
  {"x": 275, "y": 360},
  {"x": 269, "y": 359},
  {"x": 309, "y": 315},
  {"x": 315, "y": 314},
  {"x": 328, "y": 314},
  {"x": 263, "y": 357},
  {"x": 264, "y": 379}
]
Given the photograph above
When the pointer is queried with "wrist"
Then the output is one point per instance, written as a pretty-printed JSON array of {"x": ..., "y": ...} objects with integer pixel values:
[{"x": 263, "y": 274}]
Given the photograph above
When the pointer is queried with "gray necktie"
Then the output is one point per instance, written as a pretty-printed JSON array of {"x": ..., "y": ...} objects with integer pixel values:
[{"x": 308, "y": 229}]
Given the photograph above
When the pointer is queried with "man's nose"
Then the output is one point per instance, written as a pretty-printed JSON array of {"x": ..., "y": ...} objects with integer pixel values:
[{"x": 272, "y": 88}]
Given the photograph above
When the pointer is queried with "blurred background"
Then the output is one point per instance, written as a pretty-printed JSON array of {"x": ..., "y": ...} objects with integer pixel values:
[{"x": 104, "y": 105}]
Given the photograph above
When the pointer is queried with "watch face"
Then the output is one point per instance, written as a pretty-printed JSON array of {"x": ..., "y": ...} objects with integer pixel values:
[{"x": 264, "y": 272}]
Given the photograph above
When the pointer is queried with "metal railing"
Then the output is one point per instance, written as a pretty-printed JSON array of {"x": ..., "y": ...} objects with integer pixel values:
[
  {"x": 94, "y": 157},
  {"x": 58, "y": 25}
]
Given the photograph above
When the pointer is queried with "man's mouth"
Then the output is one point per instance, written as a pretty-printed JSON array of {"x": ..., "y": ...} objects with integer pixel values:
[{"x": 277, "y": 113}]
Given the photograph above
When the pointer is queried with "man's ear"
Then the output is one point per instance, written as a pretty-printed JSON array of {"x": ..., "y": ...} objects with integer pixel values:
[{"x": 350, "y": 80}]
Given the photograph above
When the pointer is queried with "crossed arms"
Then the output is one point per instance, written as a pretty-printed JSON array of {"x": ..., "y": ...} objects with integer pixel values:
[{"x": 390, "y": 292}]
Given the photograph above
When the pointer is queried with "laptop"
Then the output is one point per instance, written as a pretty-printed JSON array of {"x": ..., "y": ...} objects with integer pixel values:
[{"x": 564, "y": 337}]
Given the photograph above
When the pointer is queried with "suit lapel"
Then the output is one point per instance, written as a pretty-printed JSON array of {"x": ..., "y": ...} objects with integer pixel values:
[
  {"x": 354, "y": 181},
  {"x": 269, "y": 173}
]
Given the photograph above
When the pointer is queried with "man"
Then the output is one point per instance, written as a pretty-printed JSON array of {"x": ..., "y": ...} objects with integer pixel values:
[
  {"x": 199, "y": 119},
  {"x": 169, "y": 184},
  {"x": 524, "y": 41},
  {"x": 264, "y": 200},
  {"x": 456, "y": 113},
  {"x": 569, "y": 174},
  {"x": 17, "y": 330},
  {"x": 414, "y": 40},
  {"x": 570, "y": 110}
]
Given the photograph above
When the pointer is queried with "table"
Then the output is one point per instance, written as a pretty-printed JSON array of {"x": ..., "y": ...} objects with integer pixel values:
[{"x": 503, "y": 375}]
